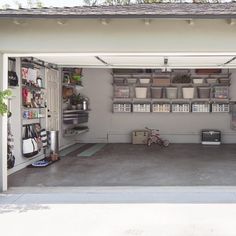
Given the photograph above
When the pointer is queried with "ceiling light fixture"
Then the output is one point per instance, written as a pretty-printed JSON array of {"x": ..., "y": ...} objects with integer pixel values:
[
  {"x": 147, "y": 21},
  {"x": 61, "y": 22},
  {"x": 19, "y": 21},
  {"x": 105, "y": 21},
  {"x": 231, "y": 21},
  {"x": 190, "y": 22}
]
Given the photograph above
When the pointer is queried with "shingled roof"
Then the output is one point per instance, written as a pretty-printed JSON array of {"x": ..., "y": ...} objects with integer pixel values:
[{"x": 160, "y": 10}]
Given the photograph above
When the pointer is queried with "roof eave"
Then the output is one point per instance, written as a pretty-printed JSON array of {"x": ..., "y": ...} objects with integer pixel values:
[{"x": 120, "y": 16}]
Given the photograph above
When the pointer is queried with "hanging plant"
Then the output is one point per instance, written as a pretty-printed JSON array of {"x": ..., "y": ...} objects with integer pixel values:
[{"x": 3, "y": 96}]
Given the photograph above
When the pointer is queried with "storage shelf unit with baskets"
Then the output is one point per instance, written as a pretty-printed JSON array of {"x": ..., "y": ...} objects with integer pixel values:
[
  {"x": 74, "y": 117},
  {"x": 164, "y": 92}
]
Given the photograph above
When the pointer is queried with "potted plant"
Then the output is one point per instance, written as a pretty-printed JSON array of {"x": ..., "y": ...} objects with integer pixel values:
[
  {"x": 182, "y": 79},
  {"x": 3, "y": 96}
]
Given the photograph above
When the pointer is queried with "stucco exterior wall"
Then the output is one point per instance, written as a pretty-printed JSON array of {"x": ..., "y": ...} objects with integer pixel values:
[{"x": 120, "y": 35}]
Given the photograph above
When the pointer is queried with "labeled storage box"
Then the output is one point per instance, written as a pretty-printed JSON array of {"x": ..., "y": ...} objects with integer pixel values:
[
  {"x": 156, "y": 92},
  {"x": 140, "y": 136},
  {"x": 211, "y": 137}
]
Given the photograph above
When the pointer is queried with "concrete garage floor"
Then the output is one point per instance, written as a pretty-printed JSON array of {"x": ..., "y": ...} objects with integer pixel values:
[{"x": 138, "y": 165}]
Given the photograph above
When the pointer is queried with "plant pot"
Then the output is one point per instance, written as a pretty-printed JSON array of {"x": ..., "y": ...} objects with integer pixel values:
[{"x": 188, "y": 92}]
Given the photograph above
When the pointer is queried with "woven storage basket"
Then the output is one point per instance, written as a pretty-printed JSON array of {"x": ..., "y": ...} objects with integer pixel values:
[{"x": 161, "y": 81}]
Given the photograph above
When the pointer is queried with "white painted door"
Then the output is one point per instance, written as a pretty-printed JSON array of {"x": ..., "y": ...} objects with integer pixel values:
[{"x": 52, "y": 99}]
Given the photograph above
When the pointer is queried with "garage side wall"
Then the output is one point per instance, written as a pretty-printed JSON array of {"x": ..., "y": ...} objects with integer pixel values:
[{"x": 106, "y": 126}]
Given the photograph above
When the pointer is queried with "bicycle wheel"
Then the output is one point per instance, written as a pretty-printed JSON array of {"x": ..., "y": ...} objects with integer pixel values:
[
  {"x": 149, "y": 142},
  {"x": 166, "y": 143}
]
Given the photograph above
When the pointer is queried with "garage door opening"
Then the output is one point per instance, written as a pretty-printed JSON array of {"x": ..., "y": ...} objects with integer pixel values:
[{"x": 96, "y": 102}]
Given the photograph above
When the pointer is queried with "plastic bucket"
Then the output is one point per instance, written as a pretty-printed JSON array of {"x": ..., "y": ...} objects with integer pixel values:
[
  {"x": 188, "y": 92},
  {"x": 171, "y": 92},
  {"x": 141, "y": 92},
  {"x": 156, "y": 92}
]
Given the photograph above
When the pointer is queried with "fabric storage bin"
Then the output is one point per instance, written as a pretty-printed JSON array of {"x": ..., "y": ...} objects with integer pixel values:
[
  {"x": 212, "y": 80},
  {"x": 188, "y": 92},
  {"x": 198, "y": 81},
  {"x": 204, "y": 92},
  {"x": 171, "y": 92},
  {"x": 131, "y": 81},
  {"x": 144, "y": 81},
  {"x": 161, "y": 81},
  {"x": 141, "y": 92},
  {"x": 156, "y": 92},
  {"x": 221, "y": 92},
  {"x": 121, "y": 92}
]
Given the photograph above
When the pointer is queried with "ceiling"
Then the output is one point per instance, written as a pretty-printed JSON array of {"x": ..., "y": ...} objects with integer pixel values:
[{"x": 143, "y": 61}]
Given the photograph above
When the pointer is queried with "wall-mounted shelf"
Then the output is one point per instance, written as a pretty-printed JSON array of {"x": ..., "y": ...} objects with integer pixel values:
[
  {"x": 72, "y": 132},
  {"x": 212, "y": 85}
]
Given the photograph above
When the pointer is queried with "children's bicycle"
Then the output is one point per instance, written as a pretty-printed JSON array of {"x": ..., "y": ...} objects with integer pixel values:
[{"x": 154, "y": 137}]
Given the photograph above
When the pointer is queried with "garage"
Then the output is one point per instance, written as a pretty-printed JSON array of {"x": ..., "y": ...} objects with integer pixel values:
[{"x": 174, "y": 72}]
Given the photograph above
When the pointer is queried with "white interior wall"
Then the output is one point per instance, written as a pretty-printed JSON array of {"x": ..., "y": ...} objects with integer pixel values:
[{"x": 106, "y": 126}]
